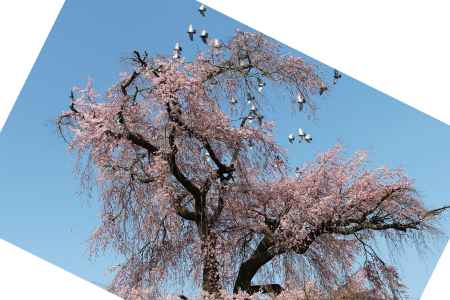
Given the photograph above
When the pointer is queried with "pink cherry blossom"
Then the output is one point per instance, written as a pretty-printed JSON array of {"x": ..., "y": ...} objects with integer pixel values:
[{"x": 191, "y": 190}]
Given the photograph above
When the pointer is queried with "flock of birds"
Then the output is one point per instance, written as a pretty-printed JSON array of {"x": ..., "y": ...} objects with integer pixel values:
[
  {"x": 191, "y": 32},
  {"x": 301, "y": 101},
  {"x": 254, "y": 114}
]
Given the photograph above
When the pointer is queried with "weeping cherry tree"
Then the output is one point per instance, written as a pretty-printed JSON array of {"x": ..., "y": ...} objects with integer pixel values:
[{"x": 194, "y": 186}]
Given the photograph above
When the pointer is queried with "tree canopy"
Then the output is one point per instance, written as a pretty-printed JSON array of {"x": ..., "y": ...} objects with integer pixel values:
[{"x": 193, "y": 184}]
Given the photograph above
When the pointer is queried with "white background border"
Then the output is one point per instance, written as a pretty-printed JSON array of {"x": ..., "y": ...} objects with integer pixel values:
[{"x": 399, "y": 47}]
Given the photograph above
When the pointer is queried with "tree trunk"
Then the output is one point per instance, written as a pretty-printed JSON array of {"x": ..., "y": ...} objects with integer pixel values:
[
  {"x": 211, "y": 276},
  {"x": 263, "y": 255}
]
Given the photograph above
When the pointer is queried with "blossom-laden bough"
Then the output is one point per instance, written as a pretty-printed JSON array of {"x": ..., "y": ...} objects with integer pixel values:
[{"x": 190, "y": 188}]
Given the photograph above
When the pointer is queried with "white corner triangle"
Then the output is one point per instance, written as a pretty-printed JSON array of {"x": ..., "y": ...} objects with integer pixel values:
[
  {"x": 438, "y": 287},
  {"x": 25, "y": 276},
  {"x": 24, "y": 27},
  {"x": 396, "y": 47}
]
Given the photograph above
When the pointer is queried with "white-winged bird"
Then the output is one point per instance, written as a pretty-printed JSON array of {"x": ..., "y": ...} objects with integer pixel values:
[
  {"x": 202, "y": 10},
  {"x": 250, "y": 117},
  {"x": 217, "y": 44},
  {"x": 207, "y": 157},
  {"x": 261, "y": 85},
  {"x": 308, "y": 138},
  {"x": 260, "y": 89},
  {"x": 300, "y": 101},
  {"x": 204, "y": 36},
  {"x": 250, "y": 98},
  {"x": 176, "y": 55},
  {"x": 177, "y": 47},
  {"x": 298, "y": 172},
  {"x": 291, "y": 138},
  {"x": 233, "y": 101},
  {"x": 191, "y": 31},
  {"x": 301, "y": 134}
]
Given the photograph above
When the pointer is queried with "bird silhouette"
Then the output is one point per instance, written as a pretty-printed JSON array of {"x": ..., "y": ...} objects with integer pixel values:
[
  {"x": 301, "y": 133},
  {"x": 217, "y": 44},
  {"x": 191, "y": 31},
  {"x": 291, "y": 138},
  {"x": 323, "y": 89},
  {"x": 308, "y": 138},
  {"x": 202, "y": 10},
  {"x": 300, "y": 102},
  {"x": 204, "y": 36},
  {"x": 177, "y": 47},
  {"x": 337, "y": 76}
]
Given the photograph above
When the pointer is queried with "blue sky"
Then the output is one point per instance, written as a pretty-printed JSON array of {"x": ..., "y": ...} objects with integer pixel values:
[{"x": 41, "y": 210}]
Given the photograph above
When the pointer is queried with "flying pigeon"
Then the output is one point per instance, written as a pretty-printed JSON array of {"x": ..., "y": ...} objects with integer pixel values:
[
  {"x": 300, "y": 101},
  {"x": 336, "y": 76},
  {"x": 207, "y": 157},
  {"x": 298, "y": 172},
  {"x": 308, "y": 138},
  {"x": 260, "y": 89},
  {"x": 176, "y": 54},
  {"x": 204, "y": 36},
  {"x": 202, "y": 10},
  {"x": 217, "y": 44},
  {"x": 323, "y": 89},
  {"x": 291, "y": 138},
  {"x": 177, "y": 47},
  {"x": 261, "y": 83},
  {"x": 301, "y": 133},
  {"x": 191, "y": 31},
  {"x": 233, "y": 101}
]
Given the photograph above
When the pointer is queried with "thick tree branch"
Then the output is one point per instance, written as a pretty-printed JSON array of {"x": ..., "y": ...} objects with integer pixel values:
[
  {"x": 250, "y": 267},
  {"x": 184, "y": 212},
  {"x": 174, "y": 116},
  {"x": 263, "y": 253},
  {"x": 176, "y": 172}
]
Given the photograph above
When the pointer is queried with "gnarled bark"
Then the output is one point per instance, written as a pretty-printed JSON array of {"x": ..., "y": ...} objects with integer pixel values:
[{"x": 211, "y": 276}]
